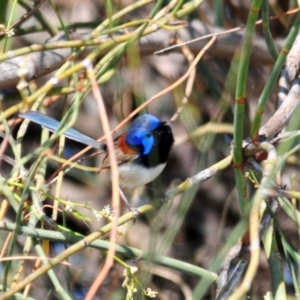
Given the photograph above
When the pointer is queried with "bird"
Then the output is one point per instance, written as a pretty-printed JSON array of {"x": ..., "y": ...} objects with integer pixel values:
[{"x": 141, "y": 152}]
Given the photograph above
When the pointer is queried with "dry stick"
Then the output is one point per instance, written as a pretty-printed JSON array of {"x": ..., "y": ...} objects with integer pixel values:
[
  {"x": 278, "y": 120},
  {"x": 223, "y": 33},
  {"x": 36, "y": 64},
  {"x": 190, "y": 82},
  {"x": 115, "y": 181},
  {"x": 24, "y": 17},
  {"x": 289, "y": 72},
  {"x": 5, "y": 245},
  {"x": 288, "y": 94}
]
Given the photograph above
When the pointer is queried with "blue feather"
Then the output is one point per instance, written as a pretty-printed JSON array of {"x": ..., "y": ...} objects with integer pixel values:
[
  {"x": 140, "y": 132},
  {"x": 52, "y": 125}
]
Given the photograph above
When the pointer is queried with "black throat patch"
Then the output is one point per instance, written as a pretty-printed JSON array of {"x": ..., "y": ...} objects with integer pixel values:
[{"x": 163, "y": 141}]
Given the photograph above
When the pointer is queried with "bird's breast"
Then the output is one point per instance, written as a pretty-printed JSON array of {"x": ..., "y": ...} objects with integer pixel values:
[{"x": 133, "y": 175}]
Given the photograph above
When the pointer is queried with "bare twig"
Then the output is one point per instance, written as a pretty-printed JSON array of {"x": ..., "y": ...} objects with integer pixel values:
[
  {"x": 289, "y": 72},
  {"x": 24, "y": 17},
  {"x": 115, "y": 181},
  {"x": 277, "y": 122},
  {"x": 190, "y": 82}
]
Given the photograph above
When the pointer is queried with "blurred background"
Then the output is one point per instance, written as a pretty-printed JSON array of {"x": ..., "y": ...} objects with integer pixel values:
[{"x": 194, "y": 226}]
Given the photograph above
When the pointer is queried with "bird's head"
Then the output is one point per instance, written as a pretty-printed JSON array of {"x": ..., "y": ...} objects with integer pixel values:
[{"x": 147, "y": 132}]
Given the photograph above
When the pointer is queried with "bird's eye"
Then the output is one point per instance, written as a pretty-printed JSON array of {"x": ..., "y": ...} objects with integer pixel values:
[{"x": 148, "y": 135}]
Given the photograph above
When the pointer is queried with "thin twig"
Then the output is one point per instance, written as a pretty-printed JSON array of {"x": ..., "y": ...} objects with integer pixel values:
[
  {"x": 24, "y": 17},
  {"x": 115, "y": 181}
]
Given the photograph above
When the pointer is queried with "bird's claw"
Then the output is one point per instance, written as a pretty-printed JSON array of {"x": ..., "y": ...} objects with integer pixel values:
[{"x": 135, "y": 213}]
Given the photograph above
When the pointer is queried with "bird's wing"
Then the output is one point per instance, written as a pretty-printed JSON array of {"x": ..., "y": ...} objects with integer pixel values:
[{"x": 123, "y": 152}]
